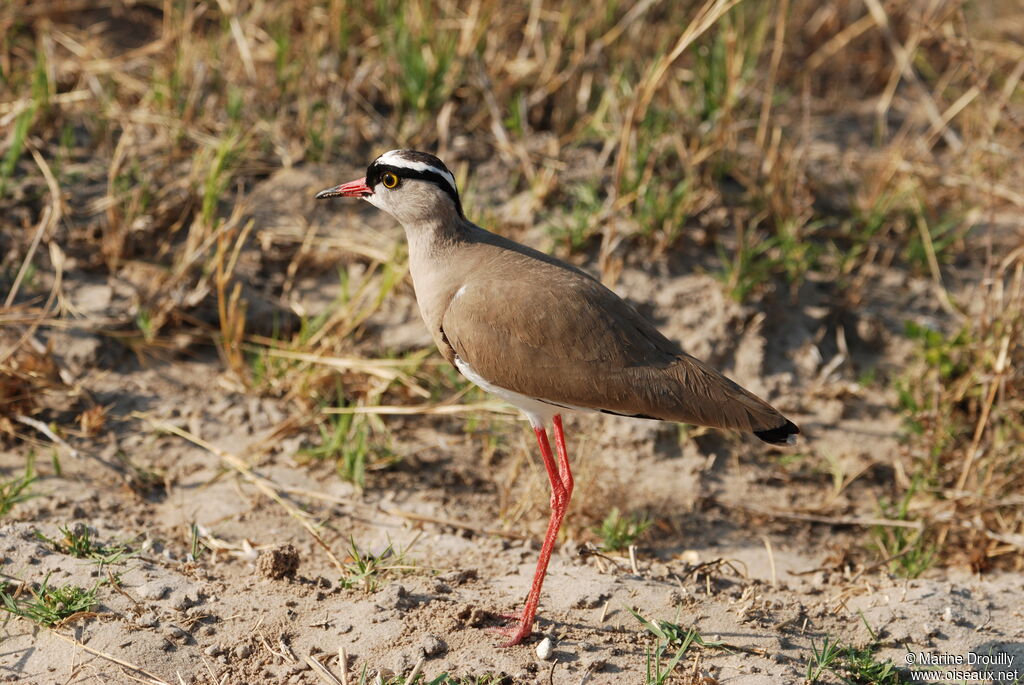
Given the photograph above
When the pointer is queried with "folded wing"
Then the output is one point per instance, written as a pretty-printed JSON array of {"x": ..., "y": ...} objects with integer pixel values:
[{"x": 599, "y": 354}]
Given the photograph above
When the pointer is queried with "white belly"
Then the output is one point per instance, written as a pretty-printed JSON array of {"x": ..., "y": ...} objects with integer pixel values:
[{"x": 537, "y": 411}]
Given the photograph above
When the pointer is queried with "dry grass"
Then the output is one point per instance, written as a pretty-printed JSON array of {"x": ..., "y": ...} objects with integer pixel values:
[
  {"x": 792, "y": 139},
  {"x": 966, "y": 410}
]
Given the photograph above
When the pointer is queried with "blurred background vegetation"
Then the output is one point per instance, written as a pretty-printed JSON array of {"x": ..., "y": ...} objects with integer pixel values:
[{"x": 775, "y": 143}]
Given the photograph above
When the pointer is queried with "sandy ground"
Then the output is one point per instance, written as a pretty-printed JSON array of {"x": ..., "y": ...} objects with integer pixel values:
[{"x": 767, "y": 558}]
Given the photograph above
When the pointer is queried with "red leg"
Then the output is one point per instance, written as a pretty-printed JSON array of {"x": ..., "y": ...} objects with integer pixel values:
[
  {"x": 563, "y": 457},
  {"x": 561, "y": 490}
]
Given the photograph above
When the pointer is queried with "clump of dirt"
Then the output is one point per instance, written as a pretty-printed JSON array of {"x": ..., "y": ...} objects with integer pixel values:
[{"x": 279, "y": 562}]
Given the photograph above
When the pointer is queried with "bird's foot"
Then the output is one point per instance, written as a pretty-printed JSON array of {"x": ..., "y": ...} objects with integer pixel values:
[{"x": 517, "y": 632}]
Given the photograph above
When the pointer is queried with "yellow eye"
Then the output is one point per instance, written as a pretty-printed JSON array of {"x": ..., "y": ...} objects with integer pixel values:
[{"x": 389, "y": 180}]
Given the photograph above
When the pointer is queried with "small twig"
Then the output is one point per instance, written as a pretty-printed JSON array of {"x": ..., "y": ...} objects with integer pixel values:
[
  {"x": 979, "y": 429},
  {"x": 240, "y": 40},
  {"x": 834, "y": 45},
  {"x": 386, "y": 369},
  {"x": 153, "y": 679},
  {"x": 51, "y": 215},
  {"x": 878, "y": 564},
  {"x": 933, "y": 264},
  {"x": 287, "y": 648},
  {"x": 45, "y": 430},
  {"x": 343, "y": 661},
  {"x": 717, "y": 563},
  {"x": 267, "y": 645},
  {"x": 209, "y": 669},
  {"x": 411, "y": 680},
  {"x": 771, "y": 560},
  {"x": 588, "y": 550},
  {"x": 321, "y": 670},
  {"x": 604, "y": 610},
  {"x": 281, "y": 655},
  {"x": 57, "y": 259},
  {"x": 77, "y": 616},
  {"x": 431, "y": 409},
  {"x": 866, "y": 522},
  {"x": 117, "y": 587}
]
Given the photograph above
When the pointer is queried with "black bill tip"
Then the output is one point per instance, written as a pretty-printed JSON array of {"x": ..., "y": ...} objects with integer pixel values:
[{"x": 330, "y": 192}]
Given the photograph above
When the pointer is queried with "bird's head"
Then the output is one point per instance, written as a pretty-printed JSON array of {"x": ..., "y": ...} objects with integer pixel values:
[{"x": 410, "y": 185}]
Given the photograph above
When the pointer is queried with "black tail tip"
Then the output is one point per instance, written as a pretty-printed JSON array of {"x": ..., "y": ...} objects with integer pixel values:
[{"x": 783, "y": 435}]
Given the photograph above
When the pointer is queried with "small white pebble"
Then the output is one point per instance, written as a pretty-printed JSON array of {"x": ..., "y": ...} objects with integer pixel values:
[{"x": 544, "y": 650}]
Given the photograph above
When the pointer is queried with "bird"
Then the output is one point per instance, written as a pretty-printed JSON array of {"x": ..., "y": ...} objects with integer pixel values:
[{"x": 542, "y": 335}]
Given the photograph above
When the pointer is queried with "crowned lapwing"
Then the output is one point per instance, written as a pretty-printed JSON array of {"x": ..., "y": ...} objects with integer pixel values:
[{"x": 541, "y": 334}]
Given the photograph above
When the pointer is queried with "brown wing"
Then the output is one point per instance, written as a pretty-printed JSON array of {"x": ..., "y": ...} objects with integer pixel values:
[{"x": 597, "y": 353}]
